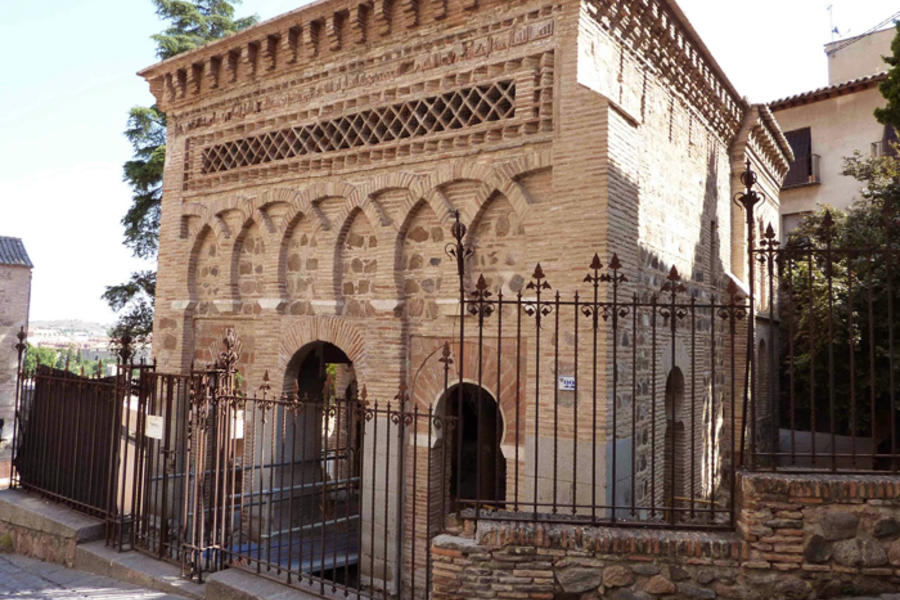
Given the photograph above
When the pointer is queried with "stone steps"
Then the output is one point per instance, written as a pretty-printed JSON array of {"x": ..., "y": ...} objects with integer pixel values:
[
  {"x": 31, "y": 525},
  {"x": 135, "y": 568},
  {"x": 235, "y": 584},
  {"x": 37, "y": 527}
]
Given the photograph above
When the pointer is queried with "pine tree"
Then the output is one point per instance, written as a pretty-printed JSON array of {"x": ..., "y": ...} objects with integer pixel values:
[{"x": 191, "y": 24}]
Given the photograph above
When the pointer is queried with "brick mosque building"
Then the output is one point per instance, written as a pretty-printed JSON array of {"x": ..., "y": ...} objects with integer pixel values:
[{"x": 315, "y": 163}]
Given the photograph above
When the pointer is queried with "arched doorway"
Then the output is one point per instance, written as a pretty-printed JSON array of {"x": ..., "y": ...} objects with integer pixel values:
[
  {"x": 321, "y": 371},
  {"x": 322, "y": 435},
  {"x": 477, "y": 468},
  {"x": 674, "y": 450}
]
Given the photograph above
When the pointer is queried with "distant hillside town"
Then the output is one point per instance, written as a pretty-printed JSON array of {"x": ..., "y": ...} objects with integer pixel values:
[{"x": 90, "y": 339}]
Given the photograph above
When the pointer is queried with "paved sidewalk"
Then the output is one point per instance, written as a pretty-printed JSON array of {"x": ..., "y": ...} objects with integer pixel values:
[{"x": 23, "y": 578}]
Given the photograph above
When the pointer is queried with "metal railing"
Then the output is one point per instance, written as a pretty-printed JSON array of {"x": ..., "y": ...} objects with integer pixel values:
[
  {"x": 319, "y": 493},
  {"x": 619, "y": 401},
  {"x": 64, "y": 437},
  {"x": 831, "y": 377},
  {"x": 804, "y": 171},
  {"x": 614, "y": 404}
]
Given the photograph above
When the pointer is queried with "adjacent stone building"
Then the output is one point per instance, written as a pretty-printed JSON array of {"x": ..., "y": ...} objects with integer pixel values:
[
  {"x": 15, "y": 296},
  {"x": 829, "y": 124},
  {"x": 315, "y": 163}
]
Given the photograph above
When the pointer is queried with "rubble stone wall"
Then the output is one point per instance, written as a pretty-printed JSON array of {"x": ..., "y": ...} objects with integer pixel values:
[
  {"x": 840, "y": 534},
  {"x": 796, "y": 537}
]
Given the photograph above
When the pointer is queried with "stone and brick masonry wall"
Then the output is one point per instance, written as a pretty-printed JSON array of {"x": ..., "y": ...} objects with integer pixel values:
[
  {"x": 837, "y": 534},
  {"x": 15, "y": 290},
  {"x": 797, "y": 537}
]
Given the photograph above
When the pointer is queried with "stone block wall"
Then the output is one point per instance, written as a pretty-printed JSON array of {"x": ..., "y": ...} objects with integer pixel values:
[
  {"x": 839, "y": 534},
  {"x": 15, "y": 292},
  {"x": 796, "y": 537},
  {"x": 43, "y": 529}
]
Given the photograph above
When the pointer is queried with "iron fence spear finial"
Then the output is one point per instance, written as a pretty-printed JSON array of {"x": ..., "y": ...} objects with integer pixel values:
[
  {"x": 266, "y": 385},
  {"x": 125, "y": 347},
  {"x": 21, "y": 345}
]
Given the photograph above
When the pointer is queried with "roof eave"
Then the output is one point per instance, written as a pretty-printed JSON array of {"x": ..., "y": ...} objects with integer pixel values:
[{"x": 839, "y": 89}]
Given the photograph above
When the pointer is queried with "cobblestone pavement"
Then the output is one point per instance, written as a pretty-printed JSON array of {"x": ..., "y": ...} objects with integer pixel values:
[{"x": 23, "y": 578}]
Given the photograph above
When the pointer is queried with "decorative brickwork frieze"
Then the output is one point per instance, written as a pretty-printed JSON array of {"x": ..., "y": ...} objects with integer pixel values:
[
  {"x": 249, "y": 55},
  {"x": 461, "y": 108},
  {"x": 490, "y": 113},
  {"x": 653, "y": 34},
  {"x": 471, "y": 45}
]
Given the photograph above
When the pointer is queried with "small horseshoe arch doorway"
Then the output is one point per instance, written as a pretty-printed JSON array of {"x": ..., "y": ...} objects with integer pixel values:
[
  {"x": 675, "y": 448},
  {"x": 477, "y": 468}
]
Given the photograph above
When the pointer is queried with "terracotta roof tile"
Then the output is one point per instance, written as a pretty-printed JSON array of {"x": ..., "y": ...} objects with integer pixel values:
[{"x": 836, "y": 89}]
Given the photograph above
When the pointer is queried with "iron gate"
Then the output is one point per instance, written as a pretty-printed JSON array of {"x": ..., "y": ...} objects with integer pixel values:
[
  {"x": 157, "y": 461},
  {"x": 65, "y": 438},
  {"x": 322, "y": 492}
]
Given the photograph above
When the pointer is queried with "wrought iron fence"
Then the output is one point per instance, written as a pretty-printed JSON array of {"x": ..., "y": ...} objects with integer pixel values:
[
  {"x": 70, "y": 432},
  {"x": 155, "y": 460},
  {"x": 830, "y": 378},
  {"x": 66, "y": 430},
  {"x": 323, "y": 493},
  {"x": 615, "y": 404},
  {"x": 64, "y": 440}
]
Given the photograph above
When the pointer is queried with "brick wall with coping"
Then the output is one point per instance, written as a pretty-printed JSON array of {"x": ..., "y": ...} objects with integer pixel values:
[{"x": 796, "y": 537}]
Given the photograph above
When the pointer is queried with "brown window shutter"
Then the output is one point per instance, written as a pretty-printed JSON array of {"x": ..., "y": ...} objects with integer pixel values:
[{"x": 801, "y": 143}]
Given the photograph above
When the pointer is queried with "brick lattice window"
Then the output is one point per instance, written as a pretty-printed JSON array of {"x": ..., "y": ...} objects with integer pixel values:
[{"x": 415, "y": 118}]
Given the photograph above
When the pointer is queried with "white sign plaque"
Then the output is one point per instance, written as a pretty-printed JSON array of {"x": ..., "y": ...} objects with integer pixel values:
[
  {"x": 237, "y": 426},
  {"x": 154, "y": 427},
  {"x": 566, "y": 383}
]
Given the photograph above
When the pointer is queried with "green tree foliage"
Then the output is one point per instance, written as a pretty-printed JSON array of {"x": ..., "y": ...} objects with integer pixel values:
[
  {"x": 66, "y": 359},
  {"x": 136, "y": 297},
  {"x": 890, "y": 88},
  {"x": 195, "y": 23},
  {"x": 147, "y": 133},
  {"x": 192, "y": 23},
  {"x": 841, "y": 278},
  {"x": 35, "y": 356}
]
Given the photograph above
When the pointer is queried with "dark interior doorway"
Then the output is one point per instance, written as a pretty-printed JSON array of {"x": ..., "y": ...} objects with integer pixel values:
[
  {"x": 477, "y": 466},
  {"x": 323, "y": 440},
  {"x": 321, "y": 368},
  {"x": 674, "y": 449}
]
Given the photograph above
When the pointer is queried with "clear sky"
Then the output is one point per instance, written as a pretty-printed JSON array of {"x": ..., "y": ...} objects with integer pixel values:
[{"x": 67, "y": 80}]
